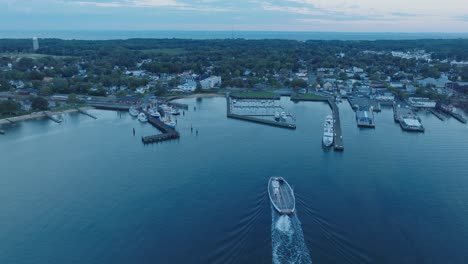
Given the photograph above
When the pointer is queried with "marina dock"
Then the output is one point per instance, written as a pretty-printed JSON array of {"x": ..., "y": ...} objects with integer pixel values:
[
  {"x": 254, "y": 119},
  {"x": 52, "y": 117},
  {"x": 407, "y": 119},
  {"x": 168, "y": 133},
  {"x": 338, "y": 136},
  {"x": 437, "y": 114},
  {"x": 81, "y": 111}
]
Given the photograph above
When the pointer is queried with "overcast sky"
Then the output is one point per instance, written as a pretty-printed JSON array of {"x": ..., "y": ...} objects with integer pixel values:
[{"x": 275, "y": 15}]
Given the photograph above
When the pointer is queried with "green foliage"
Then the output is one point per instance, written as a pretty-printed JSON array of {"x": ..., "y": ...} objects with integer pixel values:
[
  {"x": 39, "y": 103},
  {"x": 8, "y": 107},
  {"x": 44, "y": 91},
  {"x": 464, "y": 73}
]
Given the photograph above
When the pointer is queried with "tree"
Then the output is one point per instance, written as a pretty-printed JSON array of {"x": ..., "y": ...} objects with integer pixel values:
[
  {"x": 39, "y": 103},
  {"x": 464, "y": 73},
  {"x": 60, "y": 85},
  {"x": 72, "y": 98},
  {"x": 44, "y": 91},
  {"x": 199, "y": 88},
  {"x": 9, "y": 107}
]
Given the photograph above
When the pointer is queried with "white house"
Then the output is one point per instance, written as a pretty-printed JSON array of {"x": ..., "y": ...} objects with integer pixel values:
[
  {"x": 211, "y": 82},
  {"x": 188, "y": 86}
]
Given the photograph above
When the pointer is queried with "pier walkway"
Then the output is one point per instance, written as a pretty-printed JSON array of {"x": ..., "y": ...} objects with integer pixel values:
[
  {"x": 338, "y": 136},
  {"x": 168, "y": 133},
  {"x": 251, "y": 118}
]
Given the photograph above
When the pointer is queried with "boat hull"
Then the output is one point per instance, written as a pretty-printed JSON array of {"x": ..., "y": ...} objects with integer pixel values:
[{"x": 281, "y": 196}]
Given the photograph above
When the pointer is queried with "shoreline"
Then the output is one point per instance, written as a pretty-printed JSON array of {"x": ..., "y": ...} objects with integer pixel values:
[
  {"x": 198, "y": 95},
  {"x": 41, "y": 114}
]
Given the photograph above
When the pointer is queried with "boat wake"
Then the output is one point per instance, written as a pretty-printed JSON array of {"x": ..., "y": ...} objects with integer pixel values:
[{"x": 287, "y": 239}]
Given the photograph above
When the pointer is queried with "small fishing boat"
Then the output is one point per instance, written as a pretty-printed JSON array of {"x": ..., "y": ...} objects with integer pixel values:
[
  {"x": 281, "y": 195},
  {"x": 2, "y": 132},
  {"x": 133, "y": 111},
  {"x": 174, "y": 111},
  {"x": 277, "y": 116},
  {"x": 168, "y": 122},
  {"x": 284, "y": 116},
  {"x": 142, "y": 118},
  {"x": 154, "y": 113}
]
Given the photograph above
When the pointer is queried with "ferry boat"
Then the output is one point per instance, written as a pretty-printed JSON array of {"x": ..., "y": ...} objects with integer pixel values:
[
  {"x": 154, "y": 113},
  {"x": 327, "y": 138},
  {"x": 281, "y": 195},
  {"x": 133, "y": 111},
  {"x": 142, "y": 118}
]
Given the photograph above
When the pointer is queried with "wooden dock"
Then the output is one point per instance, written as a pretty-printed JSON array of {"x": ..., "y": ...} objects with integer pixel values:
[
  {"x": 437, "y": 114},
  {"x": 251, "y": 118},
  {"x": 53, "y": 118},
  {"x": 338, "y": 136},
  {"x": 85, "y": 113},
  {"x": 168, "y": 133}
]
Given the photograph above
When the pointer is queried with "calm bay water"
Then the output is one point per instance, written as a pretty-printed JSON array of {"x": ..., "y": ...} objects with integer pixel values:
[
  {"x": 88, "y": 191},
  {"x": 126, "y": 34}
]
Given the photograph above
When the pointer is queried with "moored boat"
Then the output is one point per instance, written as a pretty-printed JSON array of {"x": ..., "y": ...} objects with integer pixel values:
[
  {"x": 327, "y": 138},
  {"x": 277, "y": 116},
  {"x": 284, "y": 116},
  {"x": 281, "y": 195},
  {"x": 133, "y": 111},
  {"x": 154, "y": 113},
  {"x": 142, "y": 117}
]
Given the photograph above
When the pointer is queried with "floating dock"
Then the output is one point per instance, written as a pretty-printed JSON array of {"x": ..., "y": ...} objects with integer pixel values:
[
  {"x": 252, "y": 118},
  {"x": 338, "y": 136},
  {"x": 407, "y": 119},
  {"x": 168, "y": 133}
]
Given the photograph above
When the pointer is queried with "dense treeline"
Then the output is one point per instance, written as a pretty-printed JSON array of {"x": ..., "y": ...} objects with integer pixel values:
[{"x": 240, "y": 63}]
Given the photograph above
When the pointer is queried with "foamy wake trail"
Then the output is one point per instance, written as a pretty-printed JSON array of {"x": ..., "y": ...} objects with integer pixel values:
[{"x": 287, "y": 240}]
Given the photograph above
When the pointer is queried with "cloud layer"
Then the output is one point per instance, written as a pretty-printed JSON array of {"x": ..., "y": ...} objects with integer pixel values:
[{"x": 289, "y": 15}]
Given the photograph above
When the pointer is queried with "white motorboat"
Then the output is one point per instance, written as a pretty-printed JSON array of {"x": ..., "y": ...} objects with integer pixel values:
[
  {"x": 133, "y": 111},
  {"x": 142, "y": 118},
  {"x": 154, "y": 113},
  {"x": 277, "y": 116},
  {"x": 284, "y": 116},
  {"x": 327, "y": 139}
]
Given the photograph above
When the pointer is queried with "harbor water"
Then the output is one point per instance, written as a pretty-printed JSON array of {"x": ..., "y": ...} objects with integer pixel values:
[{"x": 88, "y": 191}]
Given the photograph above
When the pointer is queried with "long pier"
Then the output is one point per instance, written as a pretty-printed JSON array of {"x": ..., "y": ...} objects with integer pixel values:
[
  {"x": 168, "y": 133},
  {"x": 338, "y": 136},
  {"x": 254, "y": 119}
]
